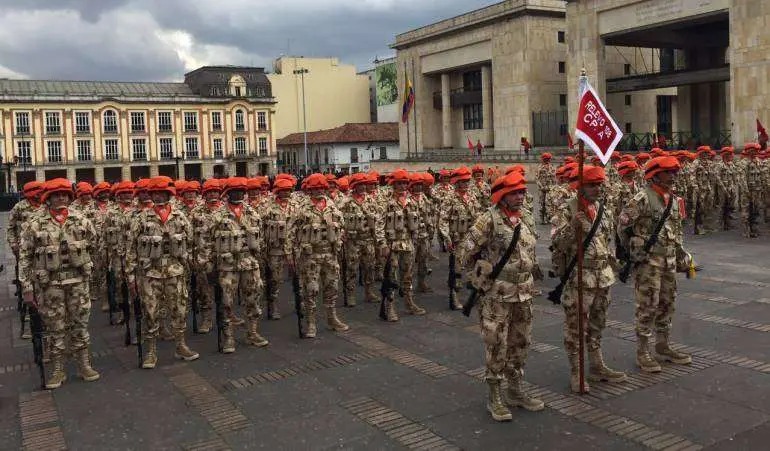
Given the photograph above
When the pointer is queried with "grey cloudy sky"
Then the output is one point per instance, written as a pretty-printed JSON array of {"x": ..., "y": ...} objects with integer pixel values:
[{"x": 159, "y": 40}]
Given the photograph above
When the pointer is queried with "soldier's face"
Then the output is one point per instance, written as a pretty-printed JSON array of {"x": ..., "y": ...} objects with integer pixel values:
[
  {"x": 125, "y": 197},
  {"x": 514, "y": 200},
  {"x": 160, "y": 197},
  {"x": 727, "y": 157},
  {"x": 316, "y": 193},
  {"x": 462, "y": 186},
  {"x": 236, "y": 196},
  {"x": 190, "y": 195},
  {"x": 85, "y": 198},
  {"x": 416, "y": 188},
  {"x": 58, "y": 200},
  {"x": 665, "y": 178},
  {"x": 399, "y": 187},
  {"x": 254, "y": 193},
  {"x": 283, "y": 194},
  {"x": 360, "y": 189},
  {"x": 370, "y": 187},
  {"x": 478, "y": 175},
  {"x": 211, "y": 196},
  {"x": 143, "y": 196},
  {"x": 591, "y": 191},
  {"x": 103, "y": 196}
]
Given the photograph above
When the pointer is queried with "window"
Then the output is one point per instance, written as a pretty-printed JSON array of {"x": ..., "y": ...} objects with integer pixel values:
[
  {"x": 263, "y": 149},
  {"x": 628, "y": 127},
  {"x": 25, "y": 151},
  {"x": 54, "y": 151},
  {"x": 110, "y": 121},
  {"x": 261, "y": 120},
  {"x": 562, "y": 99},
  {"x": 190, "y": 121},
  {"x": 240, "y": 146},
  {"x": 218, "y": 153},
  {"x": 383, "y": 153},
  {"x": 22, "y": 123},
  {"x": 354, "y": 155},
  {"x": 239, "y": 126},
  {"x": 139, "y": 148},
  {"x": 560, "y": 36},
  {"x": 166, "y": 148},
  {"x": 191, "y": 148},
  {"x": 84, "y": 150},
  {"x": 326, "y": 154},
  {"x": 164, "y": 122},
  {"x": 627, "y": 69},
  {"x": 472, "y": 81},
  {"x": 472, "y": 117},
  {"x": 53, "y": 124},
  {"x": 216, "y": 121},
  {"x": 111, "y": 150},
  {"x": 82, "y": 122},
  {"x": 137, "y": 122},
  {"x": 562, "y": 67},
  {"x": 237, "y": 91},
  {"x": 628, "y": 99}
]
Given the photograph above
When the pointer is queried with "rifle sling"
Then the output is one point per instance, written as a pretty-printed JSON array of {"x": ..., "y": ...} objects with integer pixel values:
[
  {"x": 658, "y": 227},
  {"x": 498, "y": 268},
  {"x": 586, "y": 243}
]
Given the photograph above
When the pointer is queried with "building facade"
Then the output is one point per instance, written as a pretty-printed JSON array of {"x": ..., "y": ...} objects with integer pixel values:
[
  {"x": 498, "y": 74},
  {"x": 217, "y": 123},
  {"x": 317, "y": 94},
  {"x": 348, "y": 149}
]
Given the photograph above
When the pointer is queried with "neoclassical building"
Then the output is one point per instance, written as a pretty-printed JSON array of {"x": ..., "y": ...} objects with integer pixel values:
[{"x": 218, "y": 122}]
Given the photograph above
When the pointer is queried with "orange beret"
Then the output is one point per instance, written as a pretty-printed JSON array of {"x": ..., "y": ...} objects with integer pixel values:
[
  {"x": 660, "y": 164},
  {"x": 282, "y": 184},
  {"x": 33, "y": 188},
  {"x": 460, "y": 174},
  {"x": 59, "y": 185},
  {"x": 627, "y": 167},
  {"x": 101, "y": 186},
  {"x": 83, "y": 188},
  {"x": 235, "y": 183},
  {"x": 509, "y": 183},
  {"x": 477, "y": 168},
  {"x": 125, "y": 186},
  {"x": 315, "y": 181},
  {"x": 546, "y": 156},
  {"x": 591, "y": 175},
  {"x": 399, "y": 175},
  {"x": 163, "y": 183},
  {"x": 212, "y": 185}
]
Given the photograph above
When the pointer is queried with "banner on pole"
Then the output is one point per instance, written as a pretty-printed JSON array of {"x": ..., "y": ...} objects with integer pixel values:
[{"x": 594, "y": 124}]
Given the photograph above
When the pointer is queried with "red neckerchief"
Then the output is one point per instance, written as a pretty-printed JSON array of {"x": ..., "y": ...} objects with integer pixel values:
[
  {"x": 237, "y": 209},
  {"x": 401, "y": 198},
  {"x": 630, "y": 182},
  {"x": 281, "y": 202},
  {"x": 214, "y": 205},
  {"x": 514, "y": 216},
  {"x": 59, "y": 215},
  {"x": 255, "y": 202},
  {"x": 416, "y": 196},
  {"x": 590, "y": 208},
  {"x": 102, "y": 205},
  {"x": 33, "y": 203},
  {"x": 359, "y": 197},
  {"x": 662, "y": 193},
  {"x": 320, "y": 204},
  {"x": 123, "y": 206},
  {"x": 334, "y": 194},
  {"x": 163, "y": 211}
]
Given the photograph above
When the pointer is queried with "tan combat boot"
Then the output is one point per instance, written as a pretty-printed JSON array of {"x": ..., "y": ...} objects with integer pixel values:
[
  {"x": 351, "y": 299},
  {"x": 598, "y": 371},
  {"x": 411, "y": 307},
  {"x": 253, "y": 337},
  {"x": 643, "y": 359},
  {"x": 495, "y": 404},
  {"x": 663, "y": 348},
  {"x": 423, "y": 286},
  {"x": 391, "y": 314},
  {"x": 454, "y": 304},
  {"x": 235, "y": 320},
  {"x": 334, "y": 322},
  {"x": 574, "y": 375},
  {"x": 206, "y": 323},
  {"x": 151, "y": 355},
  {"x": 85, "y": 371},
  {"x": 183, "y": 352},
  {"x": 57, "y": 376},
  {"x": 518, "y": 398},
  {"x": 311, "y": 330},
  {"x": 46, "y": 350},
  {"x": 272, "y": 310},
  {"x": 105, "y": 306},
  {"x": 228, "y": 345}
]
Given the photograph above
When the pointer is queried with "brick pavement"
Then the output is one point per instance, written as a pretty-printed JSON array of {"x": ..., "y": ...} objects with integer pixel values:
[{"x": 415, "y": 384}]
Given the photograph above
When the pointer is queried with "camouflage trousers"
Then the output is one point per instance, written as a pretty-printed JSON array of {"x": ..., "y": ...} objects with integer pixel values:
[
  {"x": 401, "y": 269},
  {"x": 277, "y": 265},
  {"x": 596, "y": 302},
  {"x": 205, "y": 291},
  {"x": 170, "y": 295},
  {"x": 706, "y": 210},
  {"x": 655, "y": 290},
  {"x": 65, "y": 309},
  {"x": 506, "y": 328},
  {"x": 314, "y": 270},
  {"x": 246, "y": 284},
  {"x": 751, "y": 211},
  {"x": 361, "y": 256},
  {"x": 98, "y": 290},
  {"x": 422, "y": 249}
]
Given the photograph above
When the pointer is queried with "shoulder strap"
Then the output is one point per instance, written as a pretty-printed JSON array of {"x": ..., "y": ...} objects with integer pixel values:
[
  {"x": 659, "y": 226},
  {"x": 498, "y": 268},
  {"x": 586, "y": 242}
]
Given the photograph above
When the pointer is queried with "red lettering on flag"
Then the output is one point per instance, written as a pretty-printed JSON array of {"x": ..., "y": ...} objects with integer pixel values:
[{"x": 595, "y": 126}]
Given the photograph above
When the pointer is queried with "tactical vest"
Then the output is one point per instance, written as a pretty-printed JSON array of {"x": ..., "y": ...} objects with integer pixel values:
[
  {"x": 645, "y": 225},
  {"x": 399, "y": 222},
  {"x": 157, "y": 247},
  {"x": 318, "y": 235},
  {"x": 61, "y": 252},
  {"x": 234, "y": 243}
]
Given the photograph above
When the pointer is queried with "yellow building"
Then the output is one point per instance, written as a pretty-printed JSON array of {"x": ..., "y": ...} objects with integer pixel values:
[
  {"x": 334, "y": 94},
  {"x": 218, "y": 122}
]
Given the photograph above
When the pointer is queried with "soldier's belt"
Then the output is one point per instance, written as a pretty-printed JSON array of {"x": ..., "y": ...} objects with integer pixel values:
[{"x": 513, "y": 276}]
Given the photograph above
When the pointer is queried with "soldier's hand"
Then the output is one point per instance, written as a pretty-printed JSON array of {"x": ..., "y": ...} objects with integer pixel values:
[
  {"x": 29, "y": 299},
  {"x": 537, "y": 273},
  {"x": 290, "y": 263},
  {"x": 579, "y": 219},
  {"x": 450, "y": 247}
]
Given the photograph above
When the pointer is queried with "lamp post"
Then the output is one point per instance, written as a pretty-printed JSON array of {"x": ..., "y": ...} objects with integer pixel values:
[
  {"x": 302, "y": 72},
  {"x": 177, "y": 158}
]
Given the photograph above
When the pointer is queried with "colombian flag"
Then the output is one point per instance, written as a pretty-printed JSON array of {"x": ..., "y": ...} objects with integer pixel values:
[{"x": 408, "y": 99}]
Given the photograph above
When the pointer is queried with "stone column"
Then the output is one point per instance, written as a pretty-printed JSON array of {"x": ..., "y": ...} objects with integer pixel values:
[
  {"x": 486, "y": 105},
  {"x": 99, "y": 174},
  {"x": 154, "y": 168},
  {"x": 446, "y": 113}
]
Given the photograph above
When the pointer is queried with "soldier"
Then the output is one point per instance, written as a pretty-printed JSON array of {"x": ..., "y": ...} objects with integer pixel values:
[
  {"x": 83, "y": 197},
  {"x": 157, "y": 246},
  {"x": 505, "y": 306},
  {"x": 232, "y": 248},
  {"x": 364, "y": 236},
  {"x": 257, "y": 192},
  {"x": 753, "y": 196},
  {"x": 426, "y": 226},
  {"x": 458, "y": 212},
  {"x": 276, "y": 216},
  {"x": 479, "y": 187},
  {"x": 117, "y": 223},
  {"x": 727, "y": 187},
  {"x": 401, "y": 216},
  {"x": 189, "y": 196},
  {"x": 315, "y": 232},
  {"x": 704, "y": 192},
  {"x": 598, "y": 276},
  {"x": 545, "y": 179},
  {"x": 655, "y": 273},
  {"x": 201, "y": 217},
  {"x": 55, "y": 261},
  {"x": 628, "y": 186}
]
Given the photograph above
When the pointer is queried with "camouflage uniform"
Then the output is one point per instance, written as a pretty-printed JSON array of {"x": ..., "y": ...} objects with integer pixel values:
[
  {"x": 704, "y": 195},
  {"x": 481, "y": 191},
  {"x": 458, "y": 213},
  {"x": 423, "y": 237},
  {"x": 313, "y": 241},
  {"x": 201, "y": 218},
  {"x": 276, "y": 217},
  {"x": 557, "y": 195},
  {"x": 114, "y": 234},
  {"x": 55, "y": 257},
  {"x": 363, "y": 237},
  {"x": 655, "y": 273},
  {"x": 546, "y": 178},
  {"x": 753, "y": 197},
  {"x": 19, "y": 216},
  {"x": 157, "y": 256}
]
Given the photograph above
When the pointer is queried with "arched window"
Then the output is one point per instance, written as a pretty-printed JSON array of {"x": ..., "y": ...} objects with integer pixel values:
[
  {"x": 239, "y": 124},
  {"x": 110, "y": 121}
]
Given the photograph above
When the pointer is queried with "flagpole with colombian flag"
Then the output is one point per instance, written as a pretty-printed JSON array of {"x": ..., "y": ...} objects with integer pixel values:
[{"x": 406, "y": 108}]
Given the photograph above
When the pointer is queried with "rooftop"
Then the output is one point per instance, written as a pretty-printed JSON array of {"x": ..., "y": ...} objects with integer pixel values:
[
  {"x": 348, "y": 133},
  {"x": 90, "y": 88}
]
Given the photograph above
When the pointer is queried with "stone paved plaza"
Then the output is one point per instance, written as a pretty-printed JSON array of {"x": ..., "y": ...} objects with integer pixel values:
[{"x": 414, "y": 384}]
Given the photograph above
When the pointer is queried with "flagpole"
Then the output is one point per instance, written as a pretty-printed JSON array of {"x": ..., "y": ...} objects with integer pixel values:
[
  {"x": 580, "y": 251},
  {"x": 414, "y": 87},
  {"x": 408, "y": 136}
]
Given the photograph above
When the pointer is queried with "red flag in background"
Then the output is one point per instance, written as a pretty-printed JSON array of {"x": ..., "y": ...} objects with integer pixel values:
[
  {"x": 761, "y": 131},
  {"x": 471, "y": 147},
  {"x": 595, "y": 126}
]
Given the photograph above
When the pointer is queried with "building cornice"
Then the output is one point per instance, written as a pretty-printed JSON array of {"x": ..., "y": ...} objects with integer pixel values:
[{"x": 8, "y": 98}]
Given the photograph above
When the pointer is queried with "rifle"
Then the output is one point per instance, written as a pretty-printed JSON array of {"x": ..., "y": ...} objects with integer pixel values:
[
  {"x": 475, "y": 293},
  {"x": 543, "y": 195},
  {"x": 452, "y": 280},
  {"x": 626, "y": 271},
  {"x": 297, "y": 301},
  {"x": 111, "y": 295},
  {"x": 388, "y": 284},
  {"x": 193, "y": 296},
  {"x": 126, "y": 305},
  {"x": 555, "y": 295},
  {"x": 697, "y": 216},
  {"x": 268, "y": 289},
  {"x": 36, "y": 326},
  {"x": 138, "y": 321},
  {"x": 220, "y": 314},
  {"x": 21, "y": 306}
]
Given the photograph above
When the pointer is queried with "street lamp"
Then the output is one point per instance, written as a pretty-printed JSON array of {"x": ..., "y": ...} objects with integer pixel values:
[{"x": 301, "y": 72}]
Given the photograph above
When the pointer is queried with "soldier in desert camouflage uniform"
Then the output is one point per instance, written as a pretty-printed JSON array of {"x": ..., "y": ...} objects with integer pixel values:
[
  {"x": 545, "y": 179},
  {"x": 479, "y": 187},
  {"x": 506, "y": 303},
  {"x": 276, "y": 215},
  {"x": 727, "y": 195},
  {"x": 54, "y": 259},
  {"x": 598, "y": 277},
  {"x": 754, "y": 178},
  {"x": 425, "y": 230},
  {"x": 703, "y": 173},
  {"x": 201, "y": 218},
  {"x": 117, "y": 223}
]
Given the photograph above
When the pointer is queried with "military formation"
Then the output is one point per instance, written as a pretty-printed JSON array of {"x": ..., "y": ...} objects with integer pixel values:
[{"x": 219, "y": 252}]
